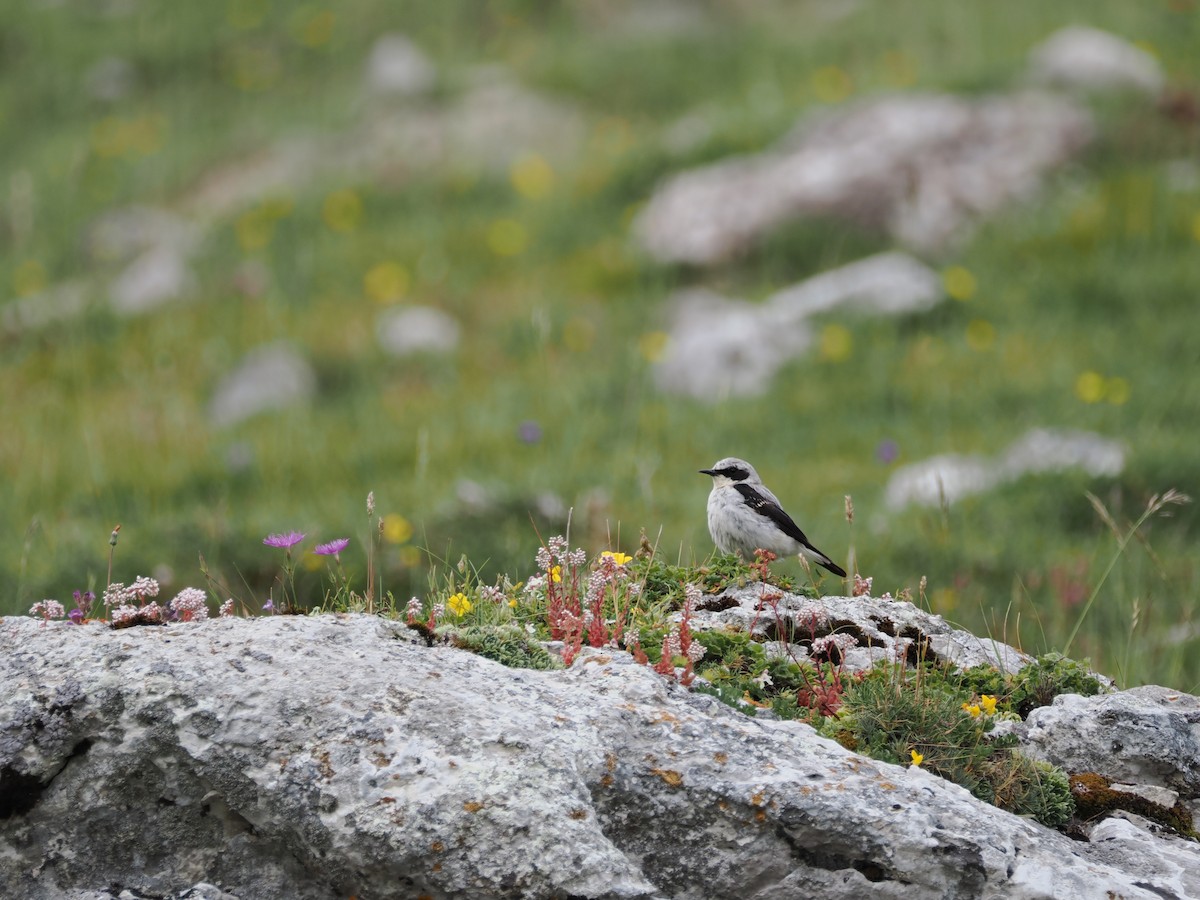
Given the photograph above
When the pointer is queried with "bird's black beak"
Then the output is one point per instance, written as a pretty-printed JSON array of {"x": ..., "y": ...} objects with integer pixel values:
[{"x": 707, "y": 472}]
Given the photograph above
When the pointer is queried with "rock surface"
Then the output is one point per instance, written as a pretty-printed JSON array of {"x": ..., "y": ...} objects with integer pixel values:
[
  {"x": 880, "y": 628},
  {"x": 1146, "y": 735},
  {"x": 324, "y": 757}
]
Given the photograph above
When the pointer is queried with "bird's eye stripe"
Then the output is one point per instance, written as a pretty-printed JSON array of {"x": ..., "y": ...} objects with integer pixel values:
[{"x": 735, "y": 473}]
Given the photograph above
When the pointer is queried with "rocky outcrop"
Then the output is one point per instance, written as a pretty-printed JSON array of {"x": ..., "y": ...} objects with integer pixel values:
[{"x": 323, "y": 757}]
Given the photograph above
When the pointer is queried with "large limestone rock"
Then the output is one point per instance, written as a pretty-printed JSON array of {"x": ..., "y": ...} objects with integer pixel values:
[
  {"x": 1146, "y": 735},
  {"x": 325, "y": 757}
]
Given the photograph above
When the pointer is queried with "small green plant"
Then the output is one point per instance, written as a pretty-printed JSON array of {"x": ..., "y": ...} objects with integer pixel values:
[
  {"x": 287, "y": 578},
  {"x": 507, "y": 644},
  {"x": 1037, "y": 684},
  {"x": 924, "y": 719}
]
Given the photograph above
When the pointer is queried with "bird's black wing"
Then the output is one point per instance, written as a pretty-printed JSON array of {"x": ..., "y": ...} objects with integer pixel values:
[
  {"x": 784, "y": 522},
  {"x": 774, "y": 512}
]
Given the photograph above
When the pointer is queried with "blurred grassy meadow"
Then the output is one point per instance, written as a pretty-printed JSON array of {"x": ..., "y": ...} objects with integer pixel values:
[{"x": 1081, "y": 310}]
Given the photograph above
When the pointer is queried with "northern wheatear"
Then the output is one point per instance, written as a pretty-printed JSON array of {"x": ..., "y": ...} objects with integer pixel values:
[{"x": 744, "y": 516}]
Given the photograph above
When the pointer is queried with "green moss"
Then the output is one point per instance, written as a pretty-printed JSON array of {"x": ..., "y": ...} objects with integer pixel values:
[{"x": 1095, "y": 798}]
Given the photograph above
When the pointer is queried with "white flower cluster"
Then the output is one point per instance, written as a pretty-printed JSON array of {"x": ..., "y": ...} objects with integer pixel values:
[
  {"x": 673, "y": 645},
  {"x": 227, "y": 608},
  {"x": 555, "y": 553}
]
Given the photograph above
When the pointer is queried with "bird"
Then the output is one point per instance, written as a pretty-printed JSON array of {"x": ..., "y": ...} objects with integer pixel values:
[{"x": 744, "y": 516}]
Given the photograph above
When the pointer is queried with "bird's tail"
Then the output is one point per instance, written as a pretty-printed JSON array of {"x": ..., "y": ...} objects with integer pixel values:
[{"x": 812, "y": 554}]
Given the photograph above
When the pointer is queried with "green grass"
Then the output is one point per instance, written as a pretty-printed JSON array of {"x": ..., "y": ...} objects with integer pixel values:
[{"x": 105, "y": 419}]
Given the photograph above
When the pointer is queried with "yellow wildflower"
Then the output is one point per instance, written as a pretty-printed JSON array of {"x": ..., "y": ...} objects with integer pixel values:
[
  {"x": 917, "y": 758},
  {"x": 989, "y": 704},
  {"x": 459, "y": 605},
  {"x": 396, "y": 529},
  {"x": 959, "y": 283},
  {"x": 556, "y": 574},
  {"x": 619, "y": 558},
  {"x": 973, "y": 709},
  {"x": 512, "y": 604}
]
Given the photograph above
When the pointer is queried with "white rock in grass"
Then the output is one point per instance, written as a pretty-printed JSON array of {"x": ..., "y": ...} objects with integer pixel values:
[
  {"x": 121, "y": 234},
  {"x": 495, "y": 122},
  {"x": 1094, "y": 60},
  {"x": 951, "y": 477},
  {"x": 720, "y": 348},
  {"x": 109, "y": 79},
  {"x": 58, "y": 303},
  {"x": 404, "y": 331},
  {"x": 922, "y": 167},
  {"x": 158, "y": 277},
  {"x": 327, "y": 756},
  {"x": 275, "y": 171},
  {"x": 273, "y": 377},
  {"x": 1048, "y": 450},
  {"x": 886, "y": 284},
  {"x": 398, "y": 66},
  {"x": 499, "y": 121},
  {"x": 947, "y": 478}
]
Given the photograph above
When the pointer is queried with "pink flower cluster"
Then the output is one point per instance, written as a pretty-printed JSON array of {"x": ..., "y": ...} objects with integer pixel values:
[
  {"x": 190, "y": 605},
  {"x": 48, "y": 609},
  {"x": 116, "y": 594}
]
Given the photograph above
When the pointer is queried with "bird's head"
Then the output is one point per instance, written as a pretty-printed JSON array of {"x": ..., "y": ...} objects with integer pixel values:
[{"x": 732, "y": 470}]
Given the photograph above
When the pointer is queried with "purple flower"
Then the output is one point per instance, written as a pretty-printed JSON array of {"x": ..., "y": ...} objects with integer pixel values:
[
  {"x": 529, "y": 432},
  {"x": 333, "y": 548},
  {"x": 284, "y": 541},
  {"x": 269, "y": 606},
  {"x": 887, "y": 451},
  {"x": 76, "y": 616}
]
